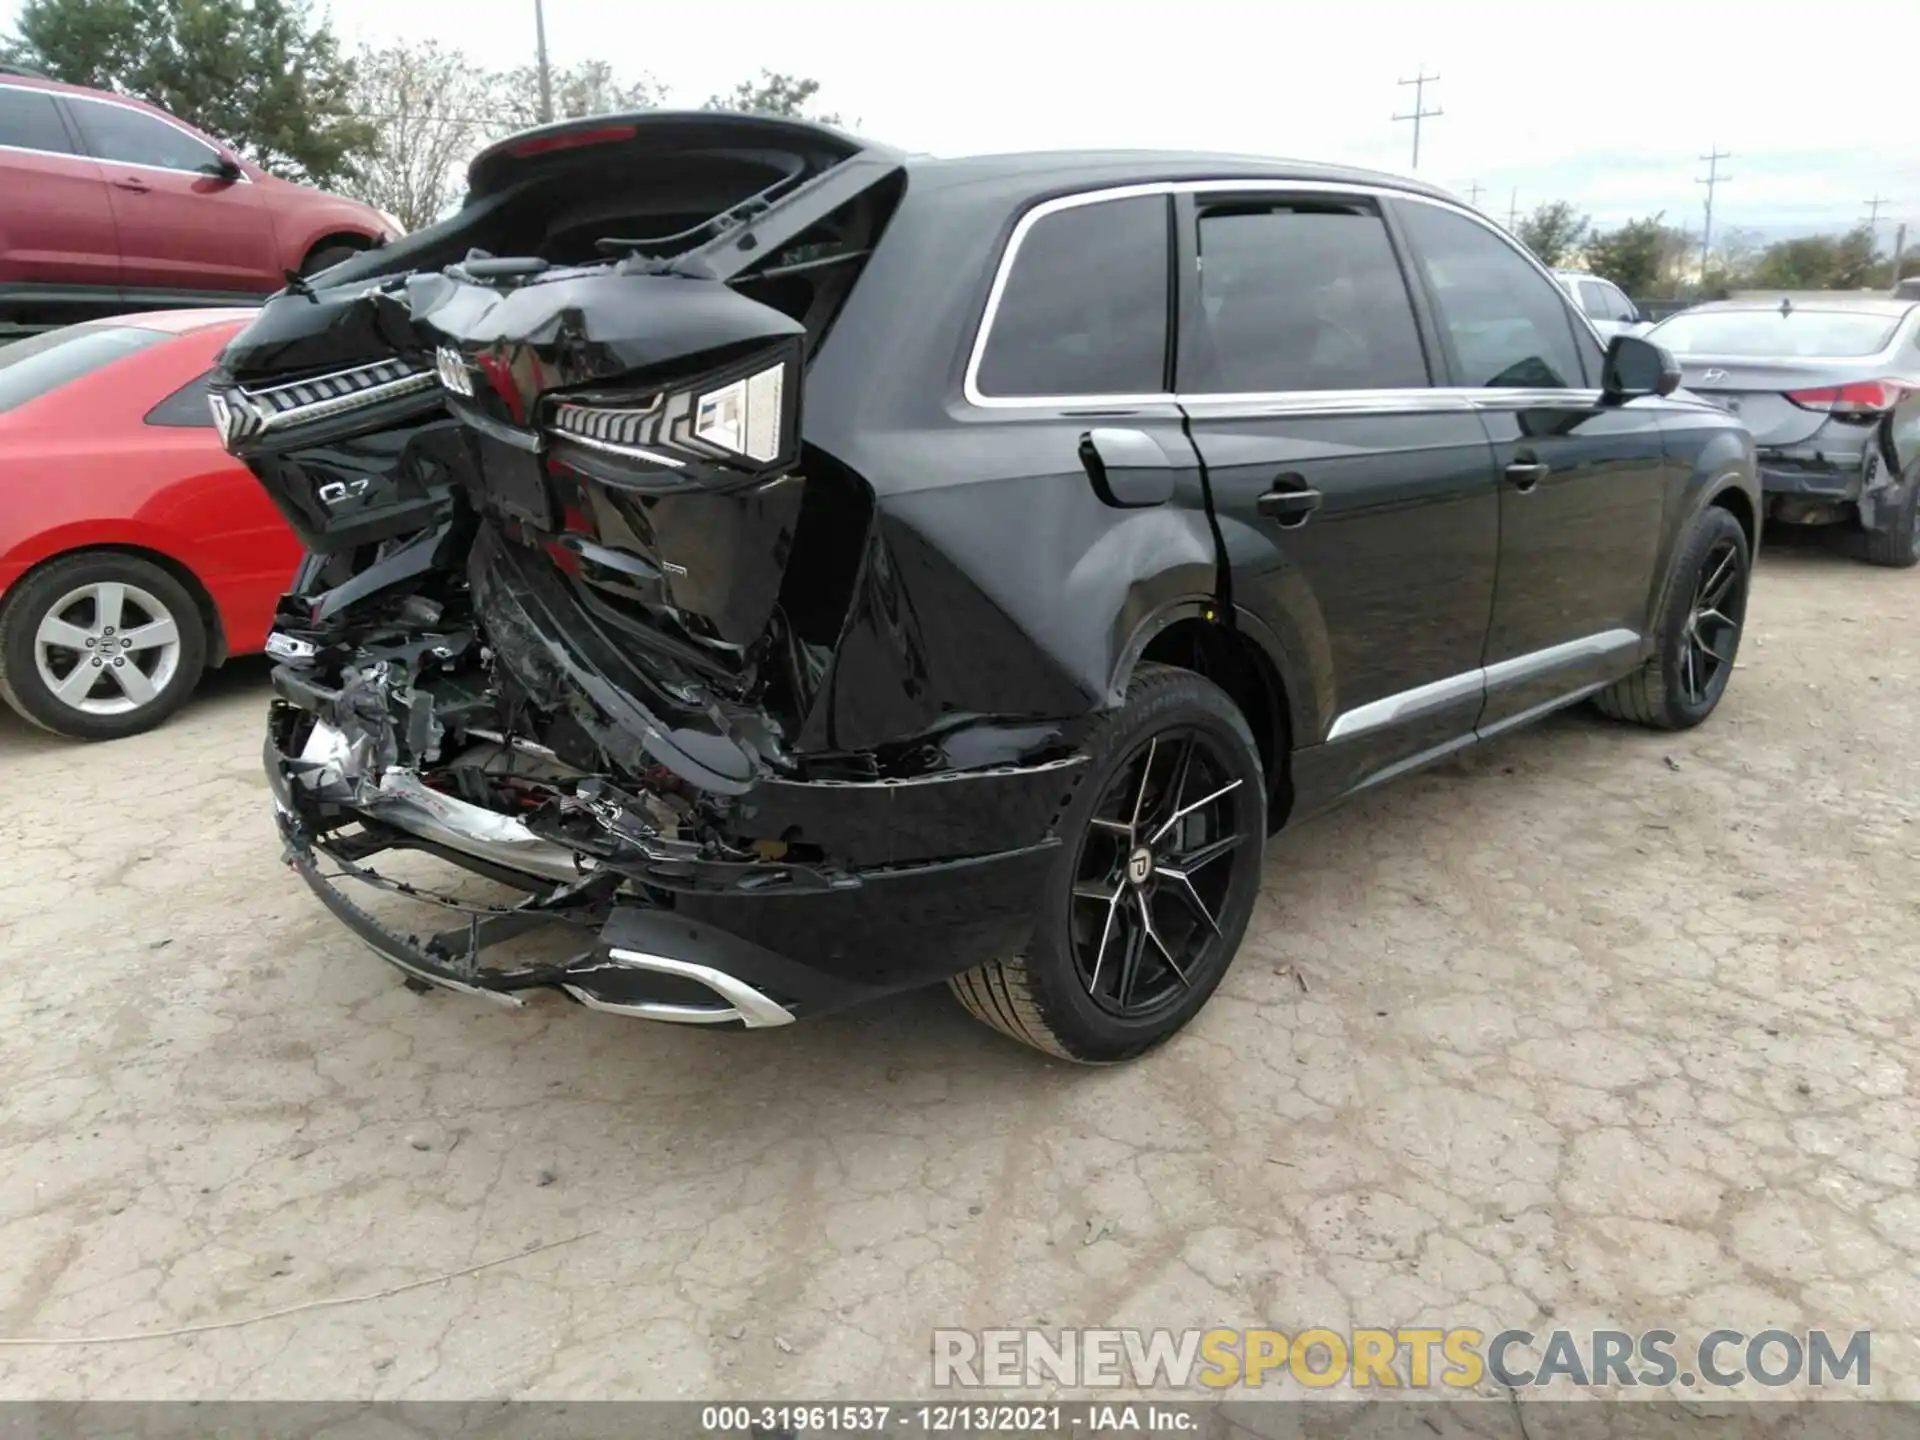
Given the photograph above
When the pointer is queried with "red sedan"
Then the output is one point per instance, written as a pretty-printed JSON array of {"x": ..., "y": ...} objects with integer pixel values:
[{"x": 134, "y": 551}]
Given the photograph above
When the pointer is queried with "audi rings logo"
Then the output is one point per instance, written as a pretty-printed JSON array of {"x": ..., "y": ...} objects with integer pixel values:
[{"x": 453, "y": 371}]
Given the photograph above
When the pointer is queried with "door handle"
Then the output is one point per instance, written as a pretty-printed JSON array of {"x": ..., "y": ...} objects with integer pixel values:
[
  {"x": 1525, "y": 474},
  {"x": 133, "y": 183},
  {"x": 1290, "y": 501}
]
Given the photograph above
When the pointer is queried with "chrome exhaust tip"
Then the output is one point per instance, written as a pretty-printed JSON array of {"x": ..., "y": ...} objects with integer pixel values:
[{"x": 739, "y": 1001}]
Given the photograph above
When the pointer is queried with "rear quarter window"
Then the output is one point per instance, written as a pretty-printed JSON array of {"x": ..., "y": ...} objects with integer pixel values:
[
  {"x": 41, "y": 364},
  {"x": 186, "y": 408},
  {"x": 1084, "y": 308},
  {"x": 30, "y": 121}
]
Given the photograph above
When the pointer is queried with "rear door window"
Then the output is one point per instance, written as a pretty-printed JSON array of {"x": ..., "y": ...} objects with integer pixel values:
[
  {"x": 186, "y": 408},
  {"x": 30, "y": 120},
  {"x": 133, "y": 137},
  {"x": 1595, "y": 301},
  {"x": 1299, "y": 296},
  {"x": 1506, "y": 323},
  {"x": 41, "y": 364},
  {"x": 1084, "y": 308}
]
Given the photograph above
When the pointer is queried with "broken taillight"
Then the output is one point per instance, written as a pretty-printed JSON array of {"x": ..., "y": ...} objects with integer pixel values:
[{"x": 745, "y": 416}]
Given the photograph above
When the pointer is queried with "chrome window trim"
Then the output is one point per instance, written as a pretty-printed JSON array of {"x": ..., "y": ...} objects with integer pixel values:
[
  {"x": 50, "y": 154},
  {"x": 1319, "y": 399},
  {"x": 1387, "y": 402},
  {"x": 242, "y": 179},
  {"x": 1484, "y": 680}
]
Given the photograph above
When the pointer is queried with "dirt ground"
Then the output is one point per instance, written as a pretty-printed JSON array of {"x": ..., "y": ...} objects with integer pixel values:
[{"x": 1587, "y": 1027}]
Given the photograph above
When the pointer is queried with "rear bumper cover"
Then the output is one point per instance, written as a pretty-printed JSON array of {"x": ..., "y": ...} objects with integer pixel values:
[
  {"x": 1838, "y": 483},
  {"x": 694, "y": 942}
]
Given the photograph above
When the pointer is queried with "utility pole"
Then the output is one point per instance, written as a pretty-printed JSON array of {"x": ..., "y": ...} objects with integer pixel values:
[
  {"x": 1419, "y": 111},
  {"x": 1513, "y": 211},
  {"x": 546, "y": 75},
  {"x": 1474, "y": 192},
  {"x": 1899, "y": 249},
  {"x": 1712, "y": 179},
  {"x": 1873, "y": 211}
]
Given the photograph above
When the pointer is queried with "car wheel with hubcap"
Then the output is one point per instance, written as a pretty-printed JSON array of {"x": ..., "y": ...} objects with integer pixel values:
[
  {"x": 1696, "y": 634},
  {"x": 99, "y": 646},
  {"x": 1154, "y": 884}
]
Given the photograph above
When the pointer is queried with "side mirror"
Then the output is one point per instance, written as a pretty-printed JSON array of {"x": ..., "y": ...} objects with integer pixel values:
[
  {"x": 225, "y": 168},
  {"x": 1128, "y": 468},
  {"x": 1636, "y": 367}
]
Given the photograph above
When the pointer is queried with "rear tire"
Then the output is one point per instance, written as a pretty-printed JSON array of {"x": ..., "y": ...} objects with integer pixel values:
[
  {"x": 1898, "y": 545},
  {"x": 1195, "y": 891},
  {"x": 1697, "y": 632},
  {"x": 53, "y": 635}
]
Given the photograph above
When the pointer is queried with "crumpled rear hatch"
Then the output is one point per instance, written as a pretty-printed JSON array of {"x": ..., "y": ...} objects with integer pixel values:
[
  {"x": 641, "y": 429},
  {"x": 595, "y": 374}
]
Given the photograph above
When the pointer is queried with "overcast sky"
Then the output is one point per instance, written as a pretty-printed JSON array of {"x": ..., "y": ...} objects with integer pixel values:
[{"x": 1605, "y": 105}]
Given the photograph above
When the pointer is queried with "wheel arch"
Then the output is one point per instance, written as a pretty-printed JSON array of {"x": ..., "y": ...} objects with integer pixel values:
[
  {"x": 188, "y": 580},
  {"x": 1728, "y": 494},
  {"x": 351, "y": 239},
  {"x": 1190, "y": 634}
]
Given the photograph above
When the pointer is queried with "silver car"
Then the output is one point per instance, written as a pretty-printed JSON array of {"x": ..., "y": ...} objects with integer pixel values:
[
  {"x": 1602, "y": 302},
  {"x": 1830, "y": 389}
]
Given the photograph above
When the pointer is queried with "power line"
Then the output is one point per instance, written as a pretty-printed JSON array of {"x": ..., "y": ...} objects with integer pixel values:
[
  {"x": 1712, "y": 180},
  {"x": 1419, "y": 111}
]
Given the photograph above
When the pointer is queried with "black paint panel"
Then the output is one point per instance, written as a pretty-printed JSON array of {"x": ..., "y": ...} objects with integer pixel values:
[
  {"x": 1577, "y": 549},
  {"x": 1389, "y": 582}
]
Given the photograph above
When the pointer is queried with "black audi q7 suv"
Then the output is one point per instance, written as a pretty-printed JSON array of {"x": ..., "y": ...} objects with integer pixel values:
[{"x": 803, "y": 571}]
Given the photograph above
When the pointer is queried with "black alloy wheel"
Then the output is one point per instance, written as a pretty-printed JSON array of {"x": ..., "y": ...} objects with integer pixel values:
[
  {"x": 1712, "y": 635},
  {"x": 1150, "y": 886},
  {"x": 1154, "y": 882},
  {"x": 1696, "y": 632}
]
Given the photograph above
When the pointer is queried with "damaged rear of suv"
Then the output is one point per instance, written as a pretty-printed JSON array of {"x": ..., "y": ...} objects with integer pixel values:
[{"x": 696, "y": 550}]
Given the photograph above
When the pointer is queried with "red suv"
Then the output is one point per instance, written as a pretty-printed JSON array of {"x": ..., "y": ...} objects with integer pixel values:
[{"x": 111, "y": 204}]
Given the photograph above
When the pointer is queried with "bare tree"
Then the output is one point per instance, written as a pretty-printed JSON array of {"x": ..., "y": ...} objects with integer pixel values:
[
  {"x": 589, "y": 88},
  {"x": 773, "y": 93},
  {"x": 432, "y": 109}
]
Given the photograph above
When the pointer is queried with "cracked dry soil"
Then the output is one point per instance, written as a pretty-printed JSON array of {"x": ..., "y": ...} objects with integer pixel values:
[{"x": 1586, "y": 1027}]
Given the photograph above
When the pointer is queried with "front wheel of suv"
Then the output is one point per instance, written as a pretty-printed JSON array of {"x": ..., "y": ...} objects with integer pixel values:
[
  {"x": 1696, "y": 634},
  {"x": 1153, "y": 884}
]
